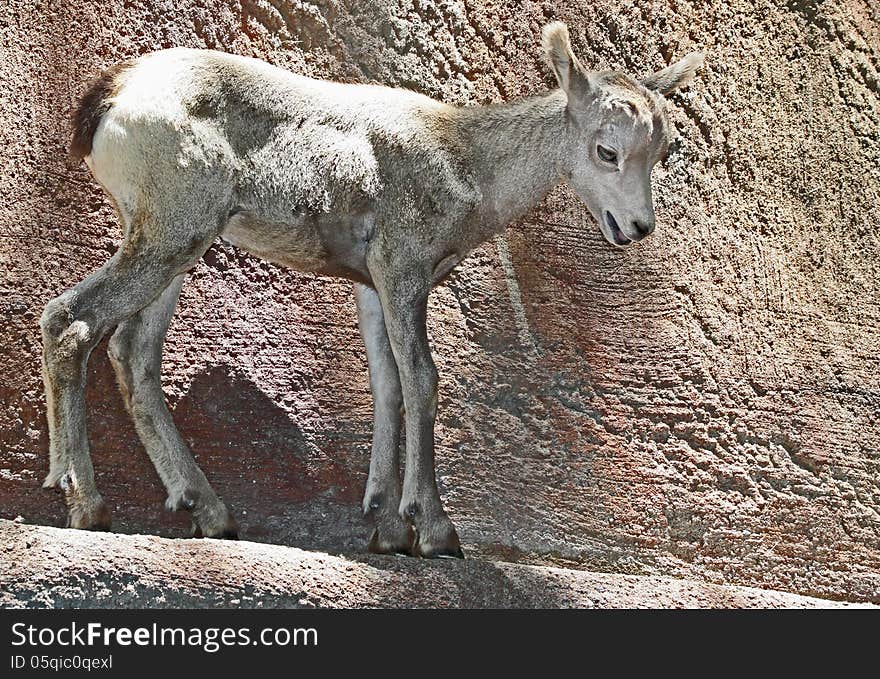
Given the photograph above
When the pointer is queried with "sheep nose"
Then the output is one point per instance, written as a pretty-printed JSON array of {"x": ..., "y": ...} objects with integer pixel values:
[{"x": 643, "y": 228}]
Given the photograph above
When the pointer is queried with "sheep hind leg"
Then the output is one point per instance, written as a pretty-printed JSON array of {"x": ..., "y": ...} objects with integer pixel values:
[
  {"x": 72, "y": 325},
  {"x": 135, "y": 351}
]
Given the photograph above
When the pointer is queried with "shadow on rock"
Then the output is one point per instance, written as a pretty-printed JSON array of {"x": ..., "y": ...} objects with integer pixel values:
[
  {"x": 279, "y": 484},
  {"x": 468, "y": 583}
]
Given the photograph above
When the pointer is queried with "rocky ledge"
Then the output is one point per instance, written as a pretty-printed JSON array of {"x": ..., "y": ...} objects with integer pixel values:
[{"x": 42, "y": 567}]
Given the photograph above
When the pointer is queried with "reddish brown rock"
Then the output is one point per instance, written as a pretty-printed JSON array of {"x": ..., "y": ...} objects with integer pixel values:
[{"x": 703, "y": 405}]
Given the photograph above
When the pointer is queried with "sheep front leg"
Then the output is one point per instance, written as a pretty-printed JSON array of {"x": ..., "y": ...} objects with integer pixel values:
[
  {"x": 393, "y": 535},
  {"x": 404, "y": 301}
]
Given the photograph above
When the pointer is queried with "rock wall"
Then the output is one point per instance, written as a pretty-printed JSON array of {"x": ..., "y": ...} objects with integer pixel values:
[{"x": 703, "y": 405}]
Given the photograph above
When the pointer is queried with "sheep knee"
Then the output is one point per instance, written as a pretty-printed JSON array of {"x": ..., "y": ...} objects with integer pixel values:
[
  {"x": 67, "y": 340},
  {"x": 387, "y": 394},
  {"x": 424, "y": 391},
  {"x": 57, "y": 316}
]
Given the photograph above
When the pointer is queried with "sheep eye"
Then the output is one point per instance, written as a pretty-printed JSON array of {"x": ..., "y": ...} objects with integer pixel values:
[{"x": 607, "y": 155}]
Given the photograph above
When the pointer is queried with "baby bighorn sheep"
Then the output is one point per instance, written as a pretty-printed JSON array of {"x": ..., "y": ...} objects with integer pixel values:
[{"x": 385, "y": 187}]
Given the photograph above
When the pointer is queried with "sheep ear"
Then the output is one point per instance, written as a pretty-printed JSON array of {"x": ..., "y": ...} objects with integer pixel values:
[
  {"x": 557, "y": 50},
  {"x": 677, "y": 75}
]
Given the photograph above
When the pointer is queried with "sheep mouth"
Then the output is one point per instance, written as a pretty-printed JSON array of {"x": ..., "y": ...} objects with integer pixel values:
[{"x": 616, "y": 232}]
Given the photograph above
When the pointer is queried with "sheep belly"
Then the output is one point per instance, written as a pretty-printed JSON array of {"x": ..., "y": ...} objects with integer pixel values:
[{"x": 322, "y": 243}]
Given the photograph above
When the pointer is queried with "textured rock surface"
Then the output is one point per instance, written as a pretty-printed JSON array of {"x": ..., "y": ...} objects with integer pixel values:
[
  {"x": 704, "y": 405},
  {"x": 53, "y": 568}
]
